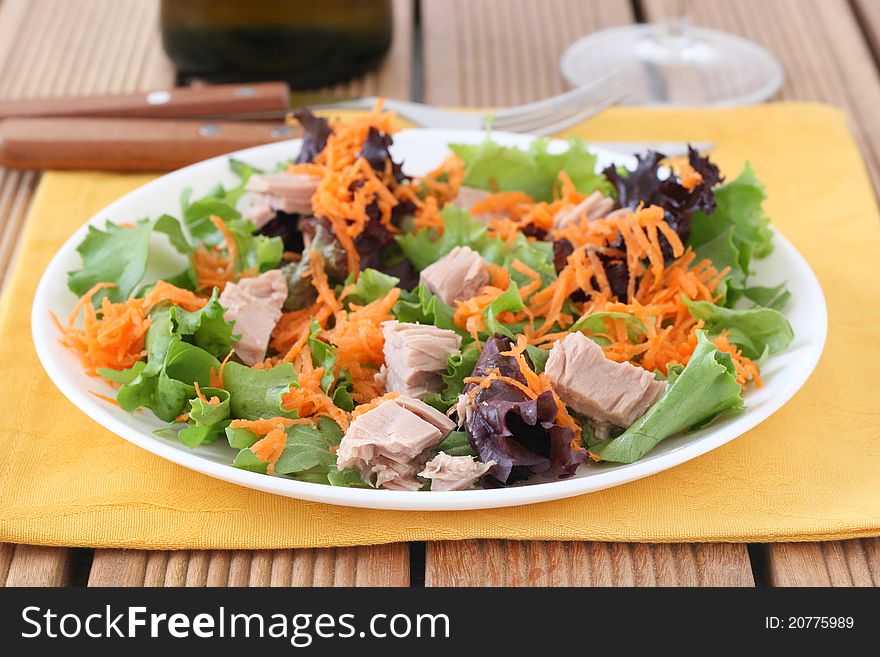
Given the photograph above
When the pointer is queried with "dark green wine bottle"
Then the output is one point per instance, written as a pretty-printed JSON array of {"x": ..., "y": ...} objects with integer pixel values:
[{"x": 308, "y": 43}]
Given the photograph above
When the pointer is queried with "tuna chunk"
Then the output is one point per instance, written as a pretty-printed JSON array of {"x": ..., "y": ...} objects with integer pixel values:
[
  {"x": 601, "y": 389},
  {"x": 428, "y": 413},
  {"x": 454, "y": 472},
  {"x": 594, "y": 207},
  {"x": 254, "y": 304},
  {"x": 415, "y": 357},
  {"x": 282, "y": 191},
  {"x": 460, "y": 274},
  {"x": 393, "y": 441}
]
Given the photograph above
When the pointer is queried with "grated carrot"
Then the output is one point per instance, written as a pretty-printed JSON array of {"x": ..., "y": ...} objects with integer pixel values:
[
  {"x": 444, "y": 182},
  {"x": 690, "y": 178},
  {"x": 269, "y": 448},
  {"x": 105, "y": 398},
  {"x": 359, "y": 342},
  {"x": 307, "y": 397},
  {"x": 213, "y": 267},
  {"x": 217, "y": 375},
  {"x": 263, "y": 426},
  {"x": 213, "y": 401},
  {"x": 163, "y": 291},
  {"x": 746, "y": 369},
  {"x": 115, "y": 339}
]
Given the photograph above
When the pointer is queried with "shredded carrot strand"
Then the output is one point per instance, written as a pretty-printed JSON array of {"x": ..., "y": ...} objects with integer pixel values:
[
  {"x": 105, "y": 398},
  {"x": 113, "y": 336}
]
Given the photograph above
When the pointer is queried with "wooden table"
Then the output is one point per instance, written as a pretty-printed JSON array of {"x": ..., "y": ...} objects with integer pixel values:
[{"x": 454, "y": 52}]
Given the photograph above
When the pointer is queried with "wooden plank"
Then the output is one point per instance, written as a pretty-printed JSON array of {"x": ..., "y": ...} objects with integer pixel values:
[
  {"x": 29, "y": 565},
  {"x": 841, "y": 563},
  {"x": 504, "y": 52},
  {"x": 6, "y": 552},
  {"x": 513, "y": 563},
  {"x": 378, "y": 565}
]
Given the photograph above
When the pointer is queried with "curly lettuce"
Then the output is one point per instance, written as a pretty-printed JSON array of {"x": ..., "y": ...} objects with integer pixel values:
[
  {"x": 119, "y": 254},
  {"x": 705, "y": 389},
  {"x": 535, "y": 170}
]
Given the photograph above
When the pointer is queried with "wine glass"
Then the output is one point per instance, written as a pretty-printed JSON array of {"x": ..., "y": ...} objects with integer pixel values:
[{"x": 672, "y": 63}]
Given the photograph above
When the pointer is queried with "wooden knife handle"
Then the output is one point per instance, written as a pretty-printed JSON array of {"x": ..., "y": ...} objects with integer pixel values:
[
  {"x": 127, "y": 144},
  {"x": 182, "y": 102}
]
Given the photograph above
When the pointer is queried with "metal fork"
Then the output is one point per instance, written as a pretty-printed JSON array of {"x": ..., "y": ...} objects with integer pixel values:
[{"x": 542, "y": 118}]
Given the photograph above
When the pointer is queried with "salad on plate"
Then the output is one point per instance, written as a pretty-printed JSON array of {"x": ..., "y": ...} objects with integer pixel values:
[{"x": 510, "y": 317}]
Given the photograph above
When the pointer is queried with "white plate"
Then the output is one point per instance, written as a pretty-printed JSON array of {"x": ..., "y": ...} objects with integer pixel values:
[{"x": 422, "y": 150}]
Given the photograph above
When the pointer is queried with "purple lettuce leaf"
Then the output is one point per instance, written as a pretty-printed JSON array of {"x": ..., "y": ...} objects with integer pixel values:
[
  {"x": 375, "y": 152},
  {"x": 316, "y": 130},
  {"x": 643, "y": 185},
  {"x": 287, "y": 227},
  {"x": 518, "y": 433}
]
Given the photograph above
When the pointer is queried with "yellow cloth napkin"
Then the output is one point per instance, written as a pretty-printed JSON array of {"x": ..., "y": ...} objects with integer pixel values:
[{"x": 810, "y": 472}]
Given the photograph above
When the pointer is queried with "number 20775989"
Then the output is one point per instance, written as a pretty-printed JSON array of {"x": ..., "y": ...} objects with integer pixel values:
[{"x": 809, "y": 622}]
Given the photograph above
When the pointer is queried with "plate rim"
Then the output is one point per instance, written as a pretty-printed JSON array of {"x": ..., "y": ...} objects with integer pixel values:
[{"x": 382, "y": 498}]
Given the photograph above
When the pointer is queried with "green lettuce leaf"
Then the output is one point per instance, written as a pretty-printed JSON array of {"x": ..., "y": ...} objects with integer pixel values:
[
  {"x": 210, "y": 414},
  {"x": 535, "y": 171},
  {"x": 723, "y": 252},
  {"x": 755, "y": 331},
  {"x": 254, "y": 251},
  {"x": 256, "y": 394},
  {"x": 769, "y": 297},
  {"x": 247, "y": 460},
  {"x": 341, "y": 395},
  {"x": 309, "y": 448},
  {"x": 425, "y": 247},
  {"x": 308, "y": 454},
  {"x": 371, "y": 285},
  {"x": 419, "y": 305},
  {"x": 509, "y": 300},
  {"x": 349, "y": 477},
  {"x": 535, "y": 253},
  {"x": 703, "y": 390},
  {"x": 456, "y": 444},
  {"x": 323, "y": 355},
  {"x": 119, "y": 255},
  {"x": 538, "y": 357},
  {"x": 240, "y": 438},
  {"x": 594, "y": 324},
  {"x": 206, "y": 421},
  {"x": 244, "y": 171},
  {"x": 122, "y": 376},
  {"x": 458, "y": 366},
  {"x": 165, "y": 384},
  {"x": 206, "y": 327},
  {"x": 197, "y": 219},
  {"x": 739, "y": 206}
]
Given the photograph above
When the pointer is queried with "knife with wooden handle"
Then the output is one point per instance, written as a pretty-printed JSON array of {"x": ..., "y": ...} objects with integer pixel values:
[
  {"x": 127, "y": 144},
  {"x": 216, "y": 102}
]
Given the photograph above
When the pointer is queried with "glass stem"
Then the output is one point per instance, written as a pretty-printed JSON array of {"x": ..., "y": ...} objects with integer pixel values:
[{"x": 675, "y": 22}]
